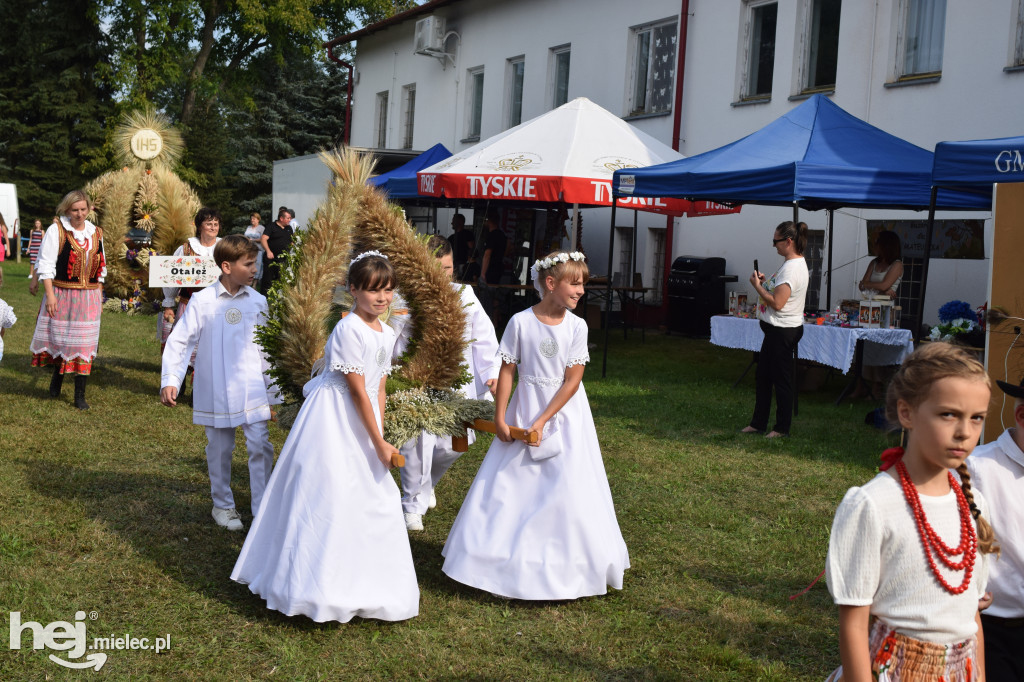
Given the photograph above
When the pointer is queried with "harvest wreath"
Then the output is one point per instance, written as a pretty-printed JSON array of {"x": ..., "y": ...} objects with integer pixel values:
[{"x": 422, "y": 394}]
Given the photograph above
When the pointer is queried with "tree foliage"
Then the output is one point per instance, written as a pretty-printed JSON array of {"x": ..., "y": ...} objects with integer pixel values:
[{"x": 52, "y": 105}]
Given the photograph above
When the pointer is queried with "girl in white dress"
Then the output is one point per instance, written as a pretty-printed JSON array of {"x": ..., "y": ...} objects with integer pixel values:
[
  {"x": 538, "y": 521},
  {"x": 907, "y": 557},
  {"x": 329, "y": 540}
]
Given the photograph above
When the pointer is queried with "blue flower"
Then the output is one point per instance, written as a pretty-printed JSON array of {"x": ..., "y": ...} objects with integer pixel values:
[{"x": 956, "y": 309}]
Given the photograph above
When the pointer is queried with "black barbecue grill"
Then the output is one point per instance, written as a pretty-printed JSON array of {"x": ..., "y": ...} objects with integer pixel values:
[{"x": 696, "y": 291}]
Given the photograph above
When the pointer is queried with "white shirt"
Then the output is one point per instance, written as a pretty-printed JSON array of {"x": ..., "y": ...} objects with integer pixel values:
[
  {"x": 875, "y": 558},
  {"x": 49, "y": 250},
  {"x": 481, "y": 352},
  {"x": 171, "y": 293},
  {"x": 7, "y": 320},
  {"x": 231, "y": 382},
  {"x": 997, "y": 469},
  {"x": 794, "y": 273}
]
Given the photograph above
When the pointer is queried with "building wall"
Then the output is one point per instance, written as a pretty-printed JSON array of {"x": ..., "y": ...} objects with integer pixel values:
[{"x": 974, "y": 98}]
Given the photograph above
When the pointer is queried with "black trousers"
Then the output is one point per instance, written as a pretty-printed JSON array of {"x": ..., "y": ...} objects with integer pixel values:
[
  {"x": 775, "y": 367},
  {"x": 1004, "y": 649}
]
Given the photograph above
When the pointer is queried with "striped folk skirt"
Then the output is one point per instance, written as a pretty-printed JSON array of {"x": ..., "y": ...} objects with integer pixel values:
[
  {"x": 898, "y": 658},
  {"x": 69, "y": 338}
]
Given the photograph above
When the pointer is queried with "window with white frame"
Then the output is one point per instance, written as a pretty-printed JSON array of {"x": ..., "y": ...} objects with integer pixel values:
[
  {"x": 408, "y": 114},
  {"x": 921, "y": 29},
  {"x": 474, "y": 102},
  {"x": 622, "y": 277},
  {"x": 558, "y": 77},
  {"x": 380, "y": 126},
  {"x": 1017, "y": 38},
  {"x": 821, "y": 52},
  {"x": 758, "y": 61},
  {"x": 653, "y": 68},
  {"x": 514, "y": 70}
]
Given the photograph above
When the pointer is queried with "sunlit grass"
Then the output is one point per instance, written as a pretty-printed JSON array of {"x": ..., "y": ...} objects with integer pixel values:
[{"x": 108, "y": 511}]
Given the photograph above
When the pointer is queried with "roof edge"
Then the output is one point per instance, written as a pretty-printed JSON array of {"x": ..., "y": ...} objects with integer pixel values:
[{"x": 425, "y": 8}]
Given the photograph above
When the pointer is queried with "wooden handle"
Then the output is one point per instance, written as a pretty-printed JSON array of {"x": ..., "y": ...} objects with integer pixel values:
[
  {"x": 529, "y": 437},
  {"x": 397, "y": 460}
]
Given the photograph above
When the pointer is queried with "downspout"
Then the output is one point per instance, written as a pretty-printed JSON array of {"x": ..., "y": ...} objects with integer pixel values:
[
  {"x": 348, "y": 99},
  {"x": 677, "y": 126}
]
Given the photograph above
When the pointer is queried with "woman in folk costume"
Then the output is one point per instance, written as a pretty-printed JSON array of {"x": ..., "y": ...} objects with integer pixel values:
[
  {"x": 538, "y": 521},
  {"x": 71, "y": 266}
]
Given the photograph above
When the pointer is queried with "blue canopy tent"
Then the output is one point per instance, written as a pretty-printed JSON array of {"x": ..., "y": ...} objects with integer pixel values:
[
  {"x": 972, "y": 166},
  {"x": 401, "y": 182},
  {"x": 816, "y": 156}
]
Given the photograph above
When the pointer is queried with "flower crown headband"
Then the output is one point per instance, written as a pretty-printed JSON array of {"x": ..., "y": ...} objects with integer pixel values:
[
  {"x": 551, "y": 261},
  {"x": 366, "y": 254}
]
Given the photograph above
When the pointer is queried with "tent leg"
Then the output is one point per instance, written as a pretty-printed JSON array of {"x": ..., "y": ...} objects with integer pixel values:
[
  {"x": 919, "y": 318},
  {"x": 828, "y": 287},
  {"x": 608, "y": 295},
  {"x": 573, "y": 246},
  {"x": 796, "y": 213}
]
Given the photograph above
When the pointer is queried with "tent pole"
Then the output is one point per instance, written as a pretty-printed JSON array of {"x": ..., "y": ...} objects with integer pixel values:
[
  {"x": 632, "y": 266},
  {"x": 919, "y": 320},
  {"x": 828, "y": 287},
  {"x": 608, "y": 293},
  {"x": 796, "y": 213},
  {"x": 573, "y": 246}
]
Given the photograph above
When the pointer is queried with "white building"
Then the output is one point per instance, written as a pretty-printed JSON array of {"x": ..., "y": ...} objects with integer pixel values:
[{"x": 919, "y": 69}]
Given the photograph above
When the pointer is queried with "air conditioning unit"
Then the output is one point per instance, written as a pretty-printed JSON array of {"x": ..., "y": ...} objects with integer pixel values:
[{"x": 429, "y": 35}]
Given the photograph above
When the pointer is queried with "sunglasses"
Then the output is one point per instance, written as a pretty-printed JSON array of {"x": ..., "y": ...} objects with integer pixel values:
[{"x": 776, "y": 241}]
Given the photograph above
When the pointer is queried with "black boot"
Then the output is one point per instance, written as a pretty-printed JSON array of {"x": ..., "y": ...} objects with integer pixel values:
[
  {"x": 80, "y": 392},
  {"x": 56, "y": 381}
]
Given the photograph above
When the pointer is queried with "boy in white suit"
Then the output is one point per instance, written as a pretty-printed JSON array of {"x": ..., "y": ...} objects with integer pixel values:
[
  {"x": 231, "y": 385},
  {"x": 428, "y": 457}
]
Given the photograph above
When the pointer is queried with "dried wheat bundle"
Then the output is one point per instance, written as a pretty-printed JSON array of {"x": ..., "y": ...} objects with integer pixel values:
[
  {"x": 176, "y": 206},
  {"x": 300, "y": 301},
  {"x": 114, "y": 196}
]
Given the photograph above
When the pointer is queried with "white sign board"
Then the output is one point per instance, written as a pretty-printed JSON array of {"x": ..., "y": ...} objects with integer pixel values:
[
  {"x": 147, "y": 144},
  {"x": 182, "y": 271}
]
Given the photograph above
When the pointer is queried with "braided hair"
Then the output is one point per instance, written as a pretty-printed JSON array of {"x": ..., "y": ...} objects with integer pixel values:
[{"x": 912, "y": 383}]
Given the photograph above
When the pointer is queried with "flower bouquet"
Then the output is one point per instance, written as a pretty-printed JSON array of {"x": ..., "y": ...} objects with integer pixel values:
[{"x": 958, "y": 323}]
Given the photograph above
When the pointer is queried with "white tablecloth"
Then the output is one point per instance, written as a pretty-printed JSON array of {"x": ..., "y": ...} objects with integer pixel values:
[{"x": 832, "y": 346}]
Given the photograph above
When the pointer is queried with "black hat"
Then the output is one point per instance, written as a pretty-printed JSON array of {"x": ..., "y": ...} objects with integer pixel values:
[{"x": 1011, "y": 390}]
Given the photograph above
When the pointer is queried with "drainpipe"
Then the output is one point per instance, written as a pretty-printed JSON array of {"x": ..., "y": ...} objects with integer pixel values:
[
  {"x": 677, "y": 125},
  {"x": 348, "y": 100}
]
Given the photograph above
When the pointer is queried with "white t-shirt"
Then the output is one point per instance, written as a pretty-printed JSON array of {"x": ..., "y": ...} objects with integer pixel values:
[
  {"x": 794, "y": 273},
  {"x": 875, "y": 557}
]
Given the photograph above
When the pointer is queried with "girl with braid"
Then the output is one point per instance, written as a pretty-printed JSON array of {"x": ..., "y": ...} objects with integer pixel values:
[{"x": 907, "y": 560}]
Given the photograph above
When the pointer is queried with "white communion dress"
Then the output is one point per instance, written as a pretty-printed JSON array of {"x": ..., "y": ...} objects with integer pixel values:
[
  {"x": 535, "y": 528},
  {"x": 329, "y": 541}
]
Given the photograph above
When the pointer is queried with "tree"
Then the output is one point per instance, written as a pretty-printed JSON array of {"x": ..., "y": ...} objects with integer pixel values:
[
  {"x": 52, "y": 105},
  {"x": 298, "y": 108},
  {"x": 199, "y": 47}
]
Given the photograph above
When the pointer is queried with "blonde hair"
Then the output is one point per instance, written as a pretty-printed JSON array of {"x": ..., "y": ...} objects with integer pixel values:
[
  {"x": 576, "y": 269},
  {"x": 71, "y": 198},
  {"x": 912, "y": 384}
]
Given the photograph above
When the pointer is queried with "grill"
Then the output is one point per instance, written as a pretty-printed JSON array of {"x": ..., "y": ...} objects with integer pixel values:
[{"x": 696, "y": 291}]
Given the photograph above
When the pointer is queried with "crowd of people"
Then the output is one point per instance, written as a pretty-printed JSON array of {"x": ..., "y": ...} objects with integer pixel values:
[{"x": 925, "y": 561}]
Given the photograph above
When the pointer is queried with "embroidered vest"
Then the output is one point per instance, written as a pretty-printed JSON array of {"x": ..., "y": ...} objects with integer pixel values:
[{"x": 78, "y": 266}]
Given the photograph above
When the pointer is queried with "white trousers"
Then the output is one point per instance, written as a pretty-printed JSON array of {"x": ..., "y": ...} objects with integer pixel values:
[
  {"x": 427, "y": 458},
  {"x": 220, "y": 445}
]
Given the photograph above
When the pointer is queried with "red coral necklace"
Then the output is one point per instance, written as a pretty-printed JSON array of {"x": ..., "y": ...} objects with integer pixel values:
[{"x": 933, "y": 544}]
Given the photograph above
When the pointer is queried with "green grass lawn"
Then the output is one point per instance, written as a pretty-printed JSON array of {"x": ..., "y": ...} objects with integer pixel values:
[{"x": 108, "y": 512}]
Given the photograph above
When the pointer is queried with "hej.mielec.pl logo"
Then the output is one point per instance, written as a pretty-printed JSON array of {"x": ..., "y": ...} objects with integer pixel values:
[{"x": 71, "y": 638}]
